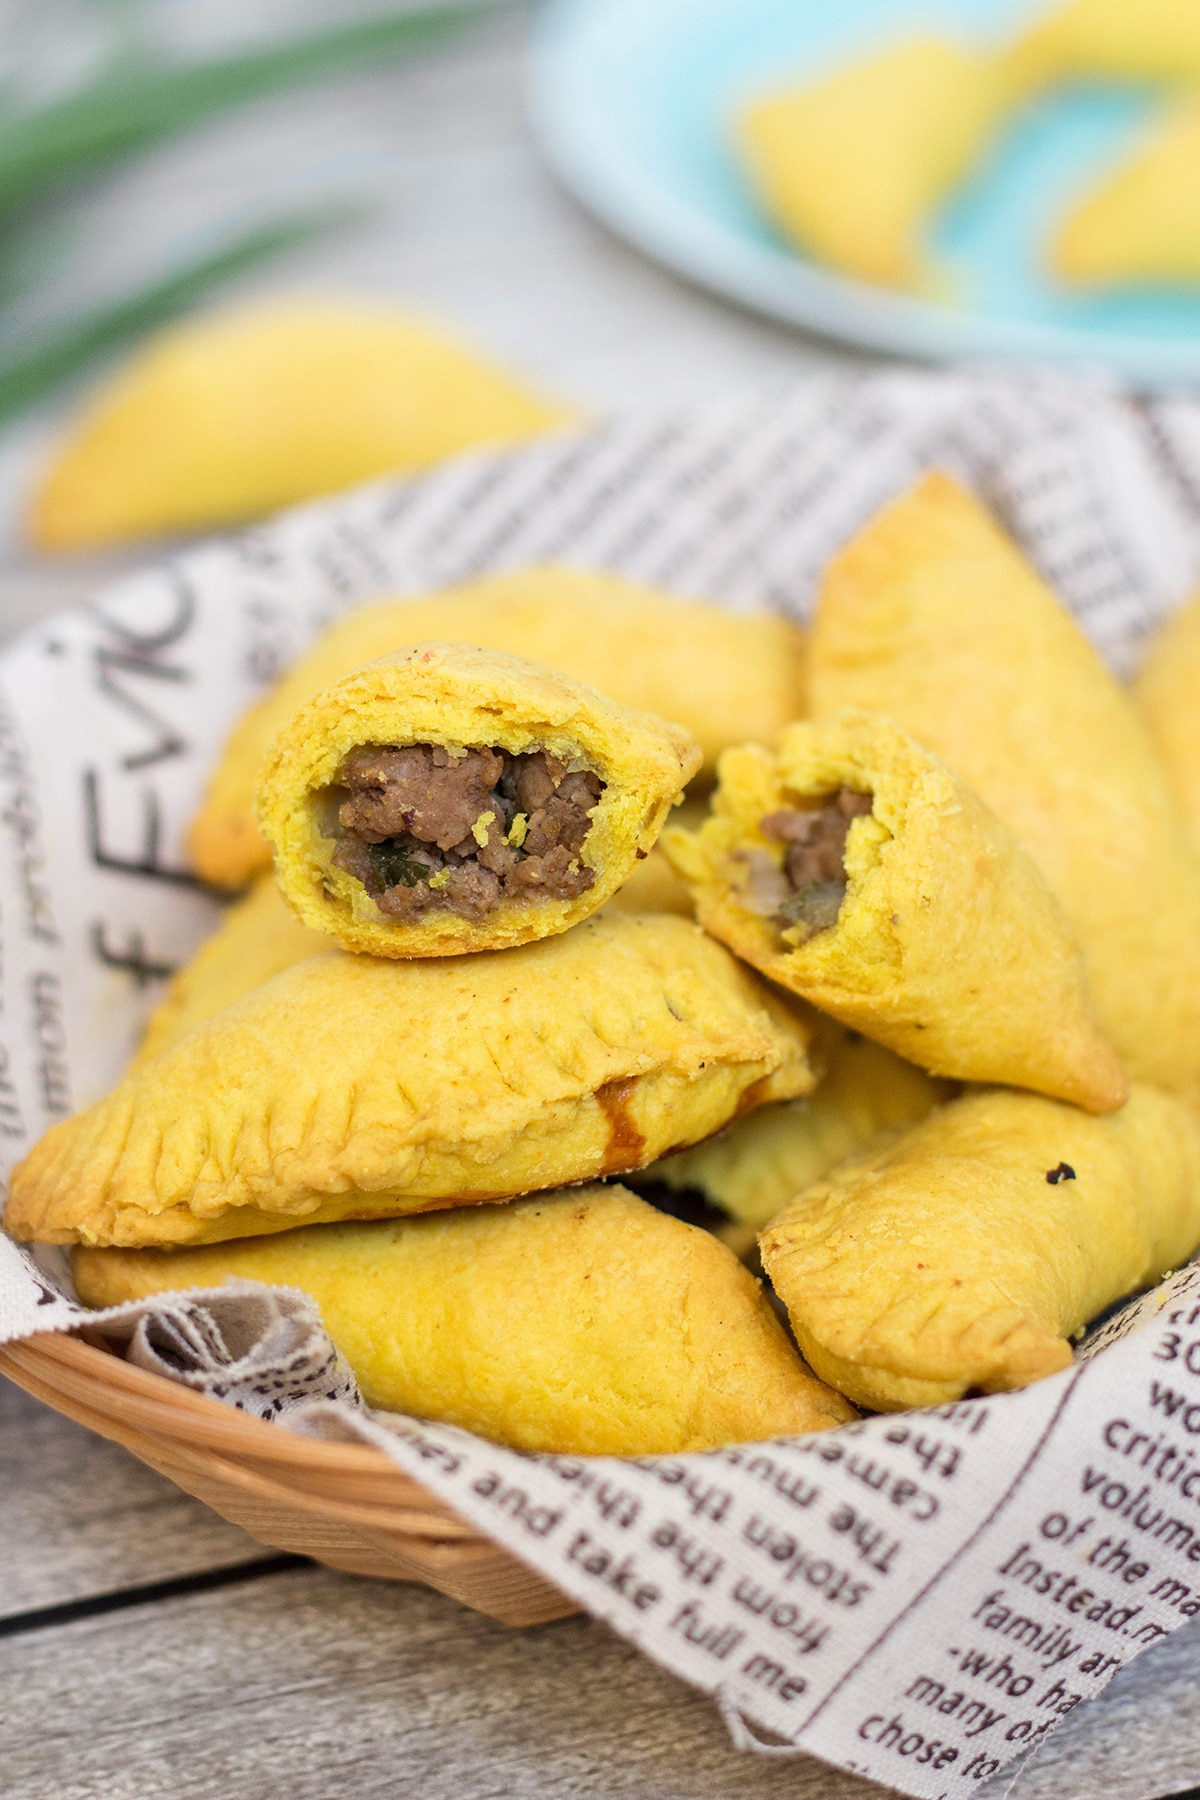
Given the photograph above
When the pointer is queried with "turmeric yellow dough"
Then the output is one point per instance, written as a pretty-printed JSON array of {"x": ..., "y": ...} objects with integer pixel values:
[
  {"x": 1137, "y": 40},
  {"x": 583, "y": 1322},
  {"x": 348, "y": 1088},
  {"x": 853, "y": 167},
  {"x": 725, "y": 677},
  {"x": 853, "y": 868},
  {"x": 257, "y": 938},
  {"x": 1141, "y": 222},
  {"x": 760, "y": 1162},
  {"x": 966, "y": 1253},
  {"x": 652, "y": 885},
  {"x": 1167, "y": 694},
  {"x": 933, "y": 616},
  {"x": 450, "y": 799},
  {"x": 238, "y": 415},
  {"x": 261, "y": 936}
]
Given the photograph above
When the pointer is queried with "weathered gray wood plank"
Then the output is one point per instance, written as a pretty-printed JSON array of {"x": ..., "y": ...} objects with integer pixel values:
[
  {"x": 311, "y": 1684},
  {"x": 81, "y": 1516},
  {"x": 1138, "y": 1741}
]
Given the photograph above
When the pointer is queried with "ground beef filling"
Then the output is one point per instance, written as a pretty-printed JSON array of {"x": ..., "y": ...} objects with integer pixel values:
[
  {"x": 809, "y": 889},
  {"x": 428, "y": 831}
]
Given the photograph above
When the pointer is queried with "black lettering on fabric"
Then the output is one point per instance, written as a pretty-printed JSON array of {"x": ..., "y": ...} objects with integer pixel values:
[
  {"x": 146, "y": 864},
  {"x": 133, "y": 959},
  {"x": 165, "y": 741},
  {"x": 50, "y": 1042}
]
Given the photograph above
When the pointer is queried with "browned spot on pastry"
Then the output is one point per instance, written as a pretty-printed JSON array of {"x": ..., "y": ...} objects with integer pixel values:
[{"x": 626, "y": 1144}]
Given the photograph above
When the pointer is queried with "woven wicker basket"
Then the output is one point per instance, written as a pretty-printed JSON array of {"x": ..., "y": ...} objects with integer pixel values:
[{"x": 342, "y": 1504}]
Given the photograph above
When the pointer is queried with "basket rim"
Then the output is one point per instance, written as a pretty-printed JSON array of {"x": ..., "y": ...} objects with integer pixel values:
[
  {"x": 346, "y": 1505},
  {"x": 109, "y": 1378}
]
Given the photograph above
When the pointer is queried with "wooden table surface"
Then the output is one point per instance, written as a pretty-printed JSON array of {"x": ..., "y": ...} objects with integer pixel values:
[{"x": 148, "y": 1648}]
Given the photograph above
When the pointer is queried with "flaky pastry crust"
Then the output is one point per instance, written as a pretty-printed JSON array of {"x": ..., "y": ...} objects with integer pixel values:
[
  {"x": 726, "y": 677},
  {"x": 351, "y": 1088},
  {"x": 583, "y": 1322},
  {"x": 934, "y": 617},
  {"x": 457, "y": 696},
  {"x": 948, "y": 947},
  {"x": 969, "y": 1251}
]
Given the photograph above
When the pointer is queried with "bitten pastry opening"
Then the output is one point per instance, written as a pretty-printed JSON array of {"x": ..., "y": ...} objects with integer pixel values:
[
  {"x": 448, "y": 799},
  {"x": 805, "y": 894},
  {"x": 427, "y": 828},
  {"x": 853, "y": 868}
]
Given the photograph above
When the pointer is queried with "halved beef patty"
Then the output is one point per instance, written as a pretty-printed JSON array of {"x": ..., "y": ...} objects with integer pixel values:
[{"x": 426, "y": 829}]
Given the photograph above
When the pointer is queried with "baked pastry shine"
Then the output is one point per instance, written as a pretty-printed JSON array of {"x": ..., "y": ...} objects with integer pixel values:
[
  {"x": 581, "y": 1322},
  {"x": 933, "y": 616},
  {"x": 760, "y": 1162},
  {"x": 449, "y": 799},
  {"x": 350, "y": 1088},
  {"x": 969, "y": 1251},
  {"x": 854, "y": 869},
  {"x": 723, "y": 676}
]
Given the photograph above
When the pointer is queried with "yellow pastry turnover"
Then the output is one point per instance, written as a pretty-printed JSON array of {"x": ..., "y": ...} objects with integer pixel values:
[
  {"x": 1133, "y": 40},
  {"x": 1167, "y": 694},
  {"x": 350, "y": 1088},
  {"x": 933, "y": 616},
  {"x": 760, "y": 1162},
  {"x": 1141, "y": 221},
  {"x": 854, "y": 869},
  {"x": 652, "y": 884},
  {"x": 967, "y": 1252},
  {"x": 853, "y": 166},
  {"x": 724, "y": 676},
  {"x": 582, "y": 1322},
  {"x": 449, "y": 799},
  {"x": 232, "y": 417},
  {"x": 259, "y": 937}
]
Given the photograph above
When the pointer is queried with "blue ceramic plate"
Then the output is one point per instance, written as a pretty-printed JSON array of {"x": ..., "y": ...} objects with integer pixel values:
[{"x": 632, "y": 101}]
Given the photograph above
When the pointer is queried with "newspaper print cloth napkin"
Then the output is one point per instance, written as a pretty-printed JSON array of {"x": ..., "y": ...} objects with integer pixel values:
[{"x": 917, "y": 1598}]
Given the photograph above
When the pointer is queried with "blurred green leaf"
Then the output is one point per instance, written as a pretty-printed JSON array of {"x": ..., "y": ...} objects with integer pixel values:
[
  {"x": 124, "y": 110},
  {"x": 29, "y": 374},
  {"x": 34, "y": 253}
]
